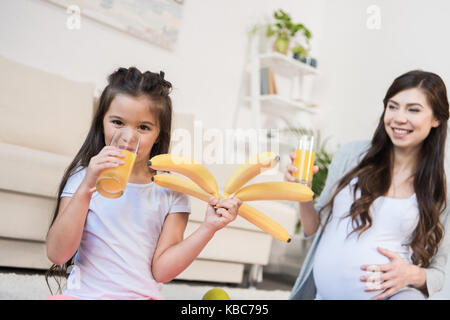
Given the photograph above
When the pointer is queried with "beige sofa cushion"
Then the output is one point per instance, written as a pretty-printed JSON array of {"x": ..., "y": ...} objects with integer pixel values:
[
  {"x": 30, "y": 171},
  {"x": 28, "y": 188},
  {"x": 235, "y": 245},
  {"x": 43, "y": 111},
  {"x": 24, "y": 254},
  {"x": 24, "y": 216}
]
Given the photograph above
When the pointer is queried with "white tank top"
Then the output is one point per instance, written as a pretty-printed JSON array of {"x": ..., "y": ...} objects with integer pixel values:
[{"x": 338, "y": 260}]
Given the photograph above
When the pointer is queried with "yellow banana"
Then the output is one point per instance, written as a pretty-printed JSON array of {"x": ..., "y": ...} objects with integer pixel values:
[
  {"x": 204, "y": 185},
  {"x": 248, "y": 170},
  {"x": 263, "y": 222},
  {"x": 187, "y": 167},
  {"x": 247, "y": 212},
  {"x": 275, "y": 191},
  {"x": 181, "y": 185}
]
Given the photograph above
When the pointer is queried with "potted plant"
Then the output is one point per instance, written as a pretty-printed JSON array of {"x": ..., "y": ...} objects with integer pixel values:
[
  {"x": 285, "y": 30},
  {"x": 300, "y": 53}
]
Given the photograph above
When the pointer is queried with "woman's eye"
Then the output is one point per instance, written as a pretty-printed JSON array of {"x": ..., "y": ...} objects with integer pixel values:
[
  {"x": 144, "y": 127},
  {"x": 392, "y": 107},
  {"x": 117, "y": 122},
  {"x": 414, "y": 110}
]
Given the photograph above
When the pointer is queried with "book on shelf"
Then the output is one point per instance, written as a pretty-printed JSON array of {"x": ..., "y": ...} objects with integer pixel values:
[
  {"x": 267, "y": 81},
  {"x": 272, "y": 86}
]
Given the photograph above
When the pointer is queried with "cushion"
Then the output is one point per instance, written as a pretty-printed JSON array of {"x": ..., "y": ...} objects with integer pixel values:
[
  {"x": 31, "y": 171},
  {"x": 43, "y": 111}
]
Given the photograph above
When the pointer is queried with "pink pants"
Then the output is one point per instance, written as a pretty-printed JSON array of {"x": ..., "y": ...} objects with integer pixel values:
[{"x": 61, "y": 297}]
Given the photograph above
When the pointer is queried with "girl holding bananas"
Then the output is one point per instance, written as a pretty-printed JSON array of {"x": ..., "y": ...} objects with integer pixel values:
[
  {"x": 123, "y": 248},
  {"x": 379, "y": 224}
]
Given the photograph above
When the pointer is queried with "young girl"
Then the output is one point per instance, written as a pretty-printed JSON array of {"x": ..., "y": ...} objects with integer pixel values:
[
  {"x": 126, "y": 246},
  {"x": 384, "y": 204}
]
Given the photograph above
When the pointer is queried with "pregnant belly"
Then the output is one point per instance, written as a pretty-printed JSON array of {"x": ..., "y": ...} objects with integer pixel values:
[{"x": 337, "y": 269}]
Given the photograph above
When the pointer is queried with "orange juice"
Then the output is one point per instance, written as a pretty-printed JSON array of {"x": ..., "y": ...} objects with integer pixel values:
[
  {"x": 304, "y": 162},
  {"x": 112, "y": 182}
]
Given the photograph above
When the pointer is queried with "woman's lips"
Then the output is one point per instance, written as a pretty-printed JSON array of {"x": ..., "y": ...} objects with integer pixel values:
[{"x": 400, "y": 133}]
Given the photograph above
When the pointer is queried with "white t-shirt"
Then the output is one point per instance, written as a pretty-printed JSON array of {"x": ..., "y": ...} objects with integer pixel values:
[
  {"x": 119, "y": 238},
  {"x": 338, "y": 261}
]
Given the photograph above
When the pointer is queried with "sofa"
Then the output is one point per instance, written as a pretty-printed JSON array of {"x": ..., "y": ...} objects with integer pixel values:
[{"x": 44, "y": 120}]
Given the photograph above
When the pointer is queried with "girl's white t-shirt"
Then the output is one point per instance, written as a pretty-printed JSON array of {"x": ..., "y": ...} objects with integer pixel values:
[
  {"x": 338, "y": 261},
  {"x": 119, "y": 238}
]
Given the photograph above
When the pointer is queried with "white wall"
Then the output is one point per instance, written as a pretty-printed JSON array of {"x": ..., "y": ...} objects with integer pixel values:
[
  {"x": 358, "y": 64},
  {"x": 206, "y": 67}
]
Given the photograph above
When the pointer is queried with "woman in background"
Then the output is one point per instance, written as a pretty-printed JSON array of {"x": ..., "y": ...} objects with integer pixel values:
[{"x": 384, "y": 204}]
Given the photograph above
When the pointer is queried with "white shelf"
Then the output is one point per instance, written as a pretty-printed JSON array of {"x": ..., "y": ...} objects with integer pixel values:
[
  {"x": 271, "y": 103},
  {"x": 285, "y": 65},
  {"x": 280, "y": 106}
]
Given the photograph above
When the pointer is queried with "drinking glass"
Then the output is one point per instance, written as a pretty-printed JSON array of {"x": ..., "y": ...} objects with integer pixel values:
[
  {"x": 111, "y": 182},
  {"x": 304, "y": 160}
]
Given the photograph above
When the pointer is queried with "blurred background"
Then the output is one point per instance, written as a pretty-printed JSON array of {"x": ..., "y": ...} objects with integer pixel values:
[{"x": 229, "y": 69}]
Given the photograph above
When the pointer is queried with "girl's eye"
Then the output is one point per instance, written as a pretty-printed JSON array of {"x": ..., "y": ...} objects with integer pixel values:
[
  {"x": 117, "y": 122},
  {"x": 392, "y": 107},
  {"x": 414, "y": 110},
  {"x": 143, "y": 127}
]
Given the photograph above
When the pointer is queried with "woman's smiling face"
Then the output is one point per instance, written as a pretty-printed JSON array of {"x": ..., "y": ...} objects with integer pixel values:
[{"x": 409, "y": 118}]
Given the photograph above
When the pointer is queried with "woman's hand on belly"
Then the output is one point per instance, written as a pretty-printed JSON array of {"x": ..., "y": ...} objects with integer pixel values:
[{"x": 394, "y": 276}]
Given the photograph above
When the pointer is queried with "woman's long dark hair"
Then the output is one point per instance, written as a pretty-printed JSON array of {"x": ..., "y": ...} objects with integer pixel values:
[
  {"x": 123, "y": 81},
  {"x": 374, "y": 172}
]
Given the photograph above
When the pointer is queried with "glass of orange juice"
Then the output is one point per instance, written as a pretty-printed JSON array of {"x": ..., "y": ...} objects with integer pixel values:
[
  {"x": 304, "y": 160},
  {"x": 111, "y": 182}
]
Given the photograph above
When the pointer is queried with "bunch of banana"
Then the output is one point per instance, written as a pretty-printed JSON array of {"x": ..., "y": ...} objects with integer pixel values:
[
  {"x": 263, "y": 222},
  {"x": 248, "y": 170},
  {"x": 245, "y": 211},
  {"x": 204, "y": 186},
  {"x": 182, "y": 185},
  {"x": 275, "y": 191},
  {"x": 187, "y": 167}
]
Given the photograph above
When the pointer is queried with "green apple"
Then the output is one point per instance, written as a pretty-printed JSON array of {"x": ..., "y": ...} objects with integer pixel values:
[{"x": 216, "y": 294}]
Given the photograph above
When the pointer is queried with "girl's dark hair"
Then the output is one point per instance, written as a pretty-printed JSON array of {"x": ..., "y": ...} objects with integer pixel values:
[
  {"x": 123, "y": 81},
  {"x": 374, "y": 172}
]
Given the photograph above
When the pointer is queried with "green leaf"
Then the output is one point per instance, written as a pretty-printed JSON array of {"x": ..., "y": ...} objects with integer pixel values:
[
  {"x": 298, "y": 27},
  {"x": 289, "y": 25},
  {"x": 307, "y": 33},
  {"x": 285, "y": 29},
  {"x": 277, "y": 15}
]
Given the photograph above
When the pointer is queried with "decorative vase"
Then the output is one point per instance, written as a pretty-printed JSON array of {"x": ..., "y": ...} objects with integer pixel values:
[{"x": 281, "y": 45}]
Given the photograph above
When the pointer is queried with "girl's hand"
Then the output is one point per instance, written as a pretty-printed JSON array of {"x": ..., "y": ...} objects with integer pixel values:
[
  {"x": 106, "y": 158},
  {"x": 391, "y": 277},
  {"x": 216, "y": 219},
  {"x": 291, "y": 169}
]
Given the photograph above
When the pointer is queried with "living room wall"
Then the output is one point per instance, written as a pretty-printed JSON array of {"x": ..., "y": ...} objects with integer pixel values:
[{"x": 206, "y": 67}]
